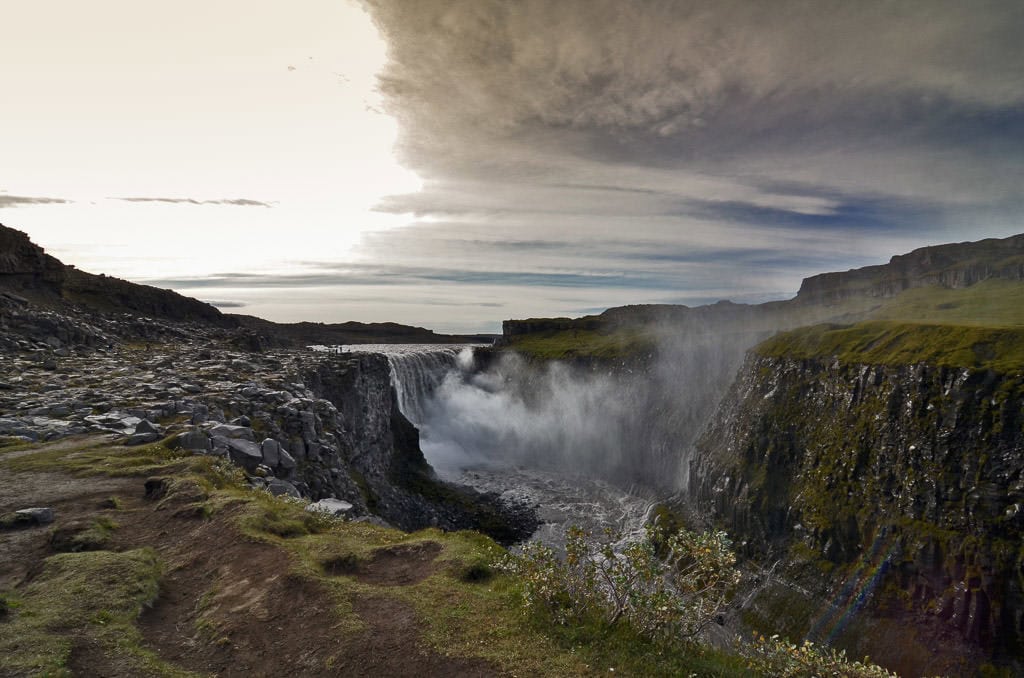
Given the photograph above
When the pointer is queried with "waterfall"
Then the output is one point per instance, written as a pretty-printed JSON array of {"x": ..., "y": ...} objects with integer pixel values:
[
  {"x": 417, "y": 370},
  {"x": 543, "y": 437}
]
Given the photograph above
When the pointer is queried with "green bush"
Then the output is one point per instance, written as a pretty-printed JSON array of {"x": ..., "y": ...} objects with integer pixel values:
[
  {"x": 783, "y": 659},
  {"x": 661, "y": 598}
]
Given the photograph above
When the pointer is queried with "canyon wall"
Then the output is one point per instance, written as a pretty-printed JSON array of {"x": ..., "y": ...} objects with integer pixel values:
[{"x": 892, "y": 491}]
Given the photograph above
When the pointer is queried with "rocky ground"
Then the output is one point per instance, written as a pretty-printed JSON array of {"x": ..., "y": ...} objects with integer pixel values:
[
  {"x": 298, "y": 422},
  {"x": 145, "y": 392}
]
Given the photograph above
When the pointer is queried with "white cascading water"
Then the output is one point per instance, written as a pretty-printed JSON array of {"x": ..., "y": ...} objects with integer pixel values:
[{"x": 476, "y": 431}]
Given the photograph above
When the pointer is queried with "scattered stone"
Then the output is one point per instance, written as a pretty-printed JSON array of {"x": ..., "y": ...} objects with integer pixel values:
[
  {"x": 37, "y": 515},
  {"x": 200, "y": 414}
]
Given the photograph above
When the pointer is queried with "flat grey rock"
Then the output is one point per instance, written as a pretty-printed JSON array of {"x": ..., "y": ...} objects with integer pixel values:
[
  {"x": 334, "y": 507},
  {"x": 142, "y": 439},
  {"x": 232, "y": 431}
]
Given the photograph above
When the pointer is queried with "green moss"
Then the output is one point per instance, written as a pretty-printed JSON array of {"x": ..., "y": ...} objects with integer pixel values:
[
  {"x": 893, "y": 343},
  {"x": 95, "y": 537},
  {"x": 84, "y": 599},
  {"x": 575, "y": 344}
]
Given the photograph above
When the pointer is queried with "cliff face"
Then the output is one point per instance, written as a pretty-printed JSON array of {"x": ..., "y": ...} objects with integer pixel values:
[
  {"x": 373, "y": 455},
  {"x": 914, "y": 473},
  {"x": 955, "y": 266},
  {"x": 24, "y": 264}
]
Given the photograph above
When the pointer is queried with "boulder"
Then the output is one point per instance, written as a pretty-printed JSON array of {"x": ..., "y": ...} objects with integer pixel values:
[
  {"x": 271, "y": 450},
  {"x": 146, "y": 426},
  {"x": 36, "y": 515},
  {"x": 195, "y": 441},
  {"x": 277, "y": 487},
  {"x": 286, "y": 460},
  {"x": 245, "y": 453},
  {"x": 142, "y": 438},
  {"x": 333, "y": 507},
  {"x": 234, "y": 432}
]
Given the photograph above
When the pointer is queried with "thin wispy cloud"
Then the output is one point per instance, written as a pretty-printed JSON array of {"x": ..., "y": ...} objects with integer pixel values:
[
  {"x": 238, "y": 202},
  {"x": 8, "y": 200},
  {"x": 225, "y": 304}
]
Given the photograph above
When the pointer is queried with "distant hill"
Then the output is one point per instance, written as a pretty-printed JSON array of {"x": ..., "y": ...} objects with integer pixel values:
[
  {"x": 953, "y": 266},
  {"x": 970, "y": 283},
  {"x": 333, "y": 334},
  {"x": 27, "y": 271},
  {"x": 29, "y": 277}
]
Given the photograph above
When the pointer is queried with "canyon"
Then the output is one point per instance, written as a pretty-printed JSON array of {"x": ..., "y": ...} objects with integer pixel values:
[{"x": 862, "y": 443}]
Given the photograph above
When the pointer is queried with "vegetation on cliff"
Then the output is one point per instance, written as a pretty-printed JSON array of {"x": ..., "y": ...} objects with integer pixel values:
[
  {"x": 901, "y": 343},
  {"x": 583, "y": 344}
]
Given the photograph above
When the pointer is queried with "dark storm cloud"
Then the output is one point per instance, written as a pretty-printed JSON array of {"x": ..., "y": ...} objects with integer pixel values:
[
  {"x": 641, "y": 72},
  {"x": 861, "y": 215},
  {"x": 7, "y": 200},
  {"x": 718, "y": 144},
  {"x": 238, "y": 202}
]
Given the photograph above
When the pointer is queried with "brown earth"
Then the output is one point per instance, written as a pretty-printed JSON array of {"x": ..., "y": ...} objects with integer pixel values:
[{"x": 230, "y": 605}]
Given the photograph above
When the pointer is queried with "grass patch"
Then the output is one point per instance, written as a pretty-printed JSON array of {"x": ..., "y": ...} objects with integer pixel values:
[
  {"x": 990, "y": 303},
  {"x": 94, "y": 457},
  {"x": 100, "y": 457},
  {"x": 84, "y": 599},
  {"x": 897, "y": 343},
  {"x": 575, "y": 344},
  {"x": 12, "y": 444},
  {"x": 75, "y": 537}
]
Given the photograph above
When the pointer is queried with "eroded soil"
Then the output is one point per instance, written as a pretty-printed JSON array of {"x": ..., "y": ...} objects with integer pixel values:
[{"x": 230, "y": 605}]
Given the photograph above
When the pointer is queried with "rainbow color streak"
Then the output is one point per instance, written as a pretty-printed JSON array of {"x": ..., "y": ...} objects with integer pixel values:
[{"x": 856, "y": 590}]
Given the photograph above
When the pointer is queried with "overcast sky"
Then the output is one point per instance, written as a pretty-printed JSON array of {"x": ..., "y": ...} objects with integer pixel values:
[{"x": 452, "y": 164}]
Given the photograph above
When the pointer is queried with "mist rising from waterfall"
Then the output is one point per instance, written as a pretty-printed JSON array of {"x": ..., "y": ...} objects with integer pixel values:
[{"x": 623, "y": 424}]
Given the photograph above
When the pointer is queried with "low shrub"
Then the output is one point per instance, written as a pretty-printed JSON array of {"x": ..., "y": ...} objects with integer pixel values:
[{"x": 661, "y": 598}]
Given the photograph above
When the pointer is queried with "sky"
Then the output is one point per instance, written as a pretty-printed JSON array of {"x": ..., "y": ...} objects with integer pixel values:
[{"x": 453, "y": 164}]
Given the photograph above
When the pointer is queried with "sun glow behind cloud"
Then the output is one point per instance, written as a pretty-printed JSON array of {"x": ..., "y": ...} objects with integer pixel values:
[{"x": 192, "y": 109}]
